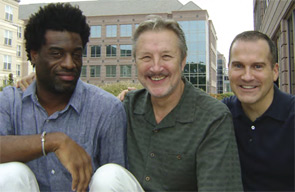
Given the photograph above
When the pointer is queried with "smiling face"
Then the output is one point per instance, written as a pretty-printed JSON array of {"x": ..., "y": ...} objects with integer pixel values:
[
  {"x": 59, "y": 61},
  {"x": 251, "y": 74},
  {"x": 159, "y": 64}
]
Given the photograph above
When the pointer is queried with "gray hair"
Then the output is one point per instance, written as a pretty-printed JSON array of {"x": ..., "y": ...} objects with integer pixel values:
[{"x": 157, "y": 23}]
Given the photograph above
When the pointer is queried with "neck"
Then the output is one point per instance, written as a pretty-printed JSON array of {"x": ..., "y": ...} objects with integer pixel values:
[
  {"x": 253, "y": 111},
  {"x": 162, "y": 106},
  {"x": 52, "y": 102}
]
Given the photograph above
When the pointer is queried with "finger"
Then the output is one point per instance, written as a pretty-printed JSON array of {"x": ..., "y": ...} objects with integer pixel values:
[
  {"x": 85, "y": 174},
  {"x": 75, "y": 179},
  {"x": 131, "y": 88},
  {"x": 82, "y": 179}
]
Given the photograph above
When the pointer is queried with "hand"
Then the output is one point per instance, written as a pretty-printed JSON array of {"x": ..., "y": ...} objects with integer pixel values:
[
  {"x": 121, "y": 96},
  {"x": 77, "y": 161},
  {"x": 26, "y": 81}
]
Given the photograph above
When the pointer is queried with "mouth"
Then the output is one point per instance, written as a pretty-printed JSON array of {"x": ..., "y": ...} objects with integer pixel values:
[
  {"x": 157, "y": 78},
  {"x": 66, "y": 76},
  {"x": 248, "y": 86}
]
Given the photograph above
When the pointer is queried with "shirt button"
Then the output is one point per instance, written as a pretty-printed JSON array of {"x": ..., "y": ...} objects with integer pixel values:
[
  {"x": 250, "y": 140},
  {"x": 253, "y": 127},
  {"x": 147, "y": 178},
  {"x": 47, "y": 120},
  {"x": 52, "y": 172},
  {"x": 152, "y": 155},
  {"x": 178, "y": 157},
  {"x": 156, "y": 131}
]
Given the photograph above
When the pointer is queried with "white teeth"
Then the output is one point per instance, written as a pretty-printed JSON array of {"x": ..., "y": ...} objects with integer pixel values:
[
  {"x": 248, "y": 87},
  {"x": 157, "y": 78}
]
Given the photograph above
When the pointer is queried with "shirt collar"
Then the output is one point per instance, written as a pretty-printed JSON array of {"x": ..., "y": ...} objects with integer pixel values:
[
  {"x": 75, "y": 101},
  {"x": 184, "y": 109},
  {"x": 276, "y": 110}
]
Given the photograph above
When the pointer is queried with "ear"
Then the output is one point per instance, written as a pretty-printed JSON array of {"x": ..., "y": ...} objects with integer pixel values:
[
  {"x": 34, "y": 56},
  {"x": 183, "y": 64},
  {"x": 275, "y": 71}
]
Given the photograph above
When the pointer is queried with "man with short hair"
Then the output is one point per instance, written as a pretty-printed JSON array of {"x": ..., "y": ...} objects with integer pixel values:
[
  {"x": 263, "y": 115},
  {"x": 178, "y": 137},
  {"x": 61, "y": 128}
]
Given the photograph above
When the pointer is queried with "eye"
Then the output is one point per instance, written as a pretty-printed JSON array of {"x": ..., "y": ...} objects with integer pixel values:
[
  {"x": 56, "y": 54},
  {"x": 258, "y": 66},
  {"x": 145, "y": 58},
  {"x": 166, "y": 57},
  {"x": 77, "y": 55},
  {"x": 237, "y": 65}
]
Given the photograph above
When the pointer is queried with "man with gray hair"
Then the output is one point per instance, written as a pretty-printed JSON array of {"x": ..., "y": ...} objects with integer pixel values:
[{"x": 178, "y": 137}]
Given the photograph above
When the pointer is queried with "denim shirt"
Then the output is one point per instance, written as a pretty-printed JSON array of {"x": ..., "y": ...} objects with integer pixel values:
[{"x": 93, "y": 118}]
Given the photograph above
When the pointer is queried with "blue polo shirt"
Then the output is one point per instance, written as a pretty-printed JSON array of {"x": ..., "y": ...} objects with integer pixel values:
[{"x": 266, "y": 146}]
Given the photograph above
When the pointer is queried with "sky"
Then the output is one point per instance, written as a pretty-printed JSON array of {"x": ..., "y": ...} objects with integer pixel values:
[{"x": 229, "y": 17}]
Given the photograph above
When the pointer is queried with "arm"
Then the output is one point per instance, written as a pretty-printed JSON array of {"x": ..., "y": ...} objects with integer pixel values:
[
  {"x": 121, "y": 95},
  {"x": 218, "y": 167},
  {"x": 26, "y": 81},
  {"x": 71, "y": 155},
  {"x": 25, "y": 148},
  {"x": 113, "y": 141}
]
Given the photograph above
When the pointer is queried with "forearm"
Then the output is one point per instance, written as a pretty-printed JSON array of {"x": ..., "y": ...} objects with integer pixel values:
[{"x": 25, "y": 148}]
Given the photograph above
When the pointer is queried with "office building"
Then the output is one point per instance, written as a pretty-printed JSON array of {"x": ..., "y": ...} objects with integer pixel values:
[
  {"x": 11, "y": 42},
  {"x": 277, "y": 19},
  {"x": 108, "y": 57}
]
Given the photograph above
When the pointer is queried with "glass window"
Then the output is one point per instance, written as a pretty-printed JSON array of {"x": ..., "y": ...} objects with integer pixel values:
[
  {"x": 95, "y": 31},
  {"x": 111, "y": 71},
  {"x": 18, "y": 70},
  {"x": 125, "y": 30},
  {"x": 19, "y": 50},
  {"x": 19, "y": 32},
  {"x": 111, "y": 31},
  {"x": 84, "y": 71},
  {"x": 95, "y": 51},
  {"x": 111, "y": 50},
  {"x": 8, "y": 13},
  {"x": 8, "y": 37},
  {"x": 125, "y": 50},
  {"x": 95, "y": 71},
  {"x": 84, "y": 54},
  {"x": 7, "y": 62},
  {"x": 125, "y": 71}
]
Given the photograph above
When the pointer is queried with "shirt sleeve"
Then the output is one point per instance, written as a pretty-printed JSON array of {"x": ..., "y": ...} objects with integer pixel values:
[
  {"x": 6, "y": 127},
  {"x": 218, "y": 167},
  {"x": 114, "y": 138}
]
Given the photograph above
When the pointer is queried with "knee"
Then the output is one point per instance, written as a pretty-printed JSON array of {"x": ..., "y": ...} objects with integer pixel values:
[
  {"x": 16, "y": 174},
  {"x": 106, "y": 177},
  {"x": 108, "y": 172},
  {"x": 15, "y": 170}
]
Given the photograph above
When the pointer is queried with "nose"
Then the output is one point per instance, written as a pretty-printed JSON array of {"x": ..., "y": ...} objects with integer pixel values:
[
  {"x": 247, "y": 75},
  {"x": 156, "y": 65},
  {"x": 68, "y": 62}
]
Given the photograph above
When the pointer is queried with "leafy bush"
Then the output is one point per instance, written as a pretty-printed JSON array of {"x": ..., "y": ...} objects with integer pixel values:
[
  {"x": 116, "y": 88},
  {"x": 221, "y": 95}
]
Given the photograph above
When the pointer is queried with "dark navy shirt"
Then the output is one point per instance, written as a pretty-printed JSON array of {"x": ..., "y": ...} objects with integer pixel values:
[
  {"x": 93, "y": 118},
  {"x": 266, "y": 146}
]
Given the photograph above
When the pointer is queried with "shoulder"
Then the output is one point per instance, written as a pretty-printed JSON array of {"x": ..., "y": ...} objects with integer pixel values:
[
  {"x": 94, "y": 96},
  {"x": 10, "y": 93},
  {"x": 230, "y": 101},
  {"x": 208, "y": 104}
]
